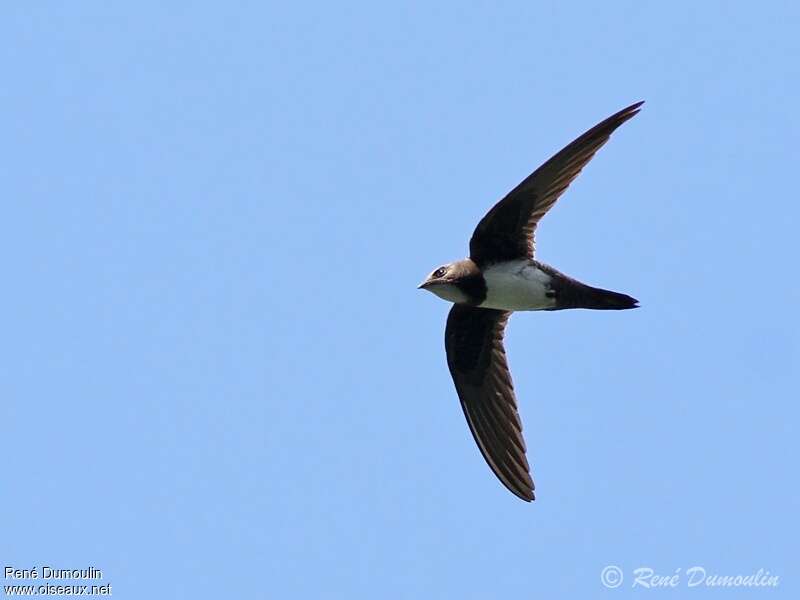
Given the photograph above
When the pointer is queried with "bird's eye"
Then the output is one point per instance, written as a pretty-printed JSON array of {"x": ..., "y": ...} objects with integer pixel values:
[{"x": 439, "y": 272}]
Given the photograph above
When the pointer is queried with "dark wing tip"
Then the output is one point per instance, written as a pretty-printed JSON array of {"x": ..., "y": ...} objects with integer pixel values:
[
  {"x": 633, "y": 108},
  {"x": 621, "y": 116},
  {"x": 524, "y": 494}
]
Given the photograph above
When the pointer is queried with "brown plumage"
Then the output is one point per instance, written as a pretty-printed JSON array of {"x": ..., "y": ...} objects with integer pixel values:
[
  {"x": 477, "y": 362},
  {"x": 501, "y": 249},
  {"x": 508, "y": 229}
]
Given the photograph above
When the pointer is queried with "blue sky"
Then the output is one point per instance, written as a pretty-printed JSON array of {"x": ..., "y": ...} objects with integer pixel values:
[{"x": 219, "y": 378}]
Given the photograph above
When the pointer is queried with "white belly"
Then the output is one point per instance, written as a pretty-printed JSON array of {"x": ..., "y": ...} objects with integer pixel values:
[{"x": 516, "y": 285}]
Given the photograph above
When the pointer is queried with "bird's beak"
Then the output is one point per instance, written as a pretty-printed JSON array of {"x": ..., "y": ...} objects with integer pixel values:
[{"x": 430, "y": 283}]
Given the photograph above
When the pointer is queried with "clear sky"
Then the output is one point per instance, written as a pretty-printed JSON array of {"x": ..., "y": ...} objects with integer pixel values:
[{"x": 219, "y": 378}]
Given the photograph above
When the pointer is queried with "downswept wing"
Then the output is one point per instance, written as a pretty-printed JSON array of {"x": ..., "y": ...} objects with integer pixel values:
[
  {"x": 507, "y": 230},
  {"x": 477, "y": 361}
]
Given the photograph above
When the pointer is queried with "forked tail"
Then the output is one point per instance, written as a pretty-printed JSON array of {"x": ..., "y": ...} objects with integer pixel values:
[
  {"x": 600, "y": 299},
  {"x": 574, "y": 294}
]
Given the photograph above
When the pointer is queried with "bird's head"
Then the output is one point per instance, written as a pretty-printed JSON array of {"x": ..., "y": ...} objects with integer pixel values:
[{"x": 444, "y": 281}]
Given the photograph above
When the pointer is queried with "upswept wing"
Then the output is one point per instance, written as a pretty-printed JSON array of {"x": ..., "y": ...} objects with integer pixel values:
[{"x": 507, "y": 231}]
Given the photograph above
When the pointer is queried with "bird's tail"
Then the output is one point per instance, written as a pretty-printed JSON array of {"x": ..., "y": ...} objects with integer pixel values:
[
  {"x": 599, "y": 299},
  {"x": 574, "y": 294}
]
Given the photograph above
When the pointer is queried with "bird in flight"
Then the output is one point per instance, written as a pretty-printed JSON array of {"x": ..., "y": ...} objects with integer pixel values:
[{"x": 500, "y": 277}]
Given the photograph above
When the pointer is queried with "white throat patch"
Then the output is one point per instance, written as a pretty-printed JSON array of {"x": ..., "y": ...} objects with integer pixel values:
[{"x": 449, "y": 292}]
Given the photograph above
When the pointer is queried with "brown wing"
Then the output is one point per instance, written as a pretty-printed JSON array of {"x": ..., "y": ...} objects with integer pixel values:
[
  {"x": 507, "y": 230},
  {"x": 477, "y": 361}
]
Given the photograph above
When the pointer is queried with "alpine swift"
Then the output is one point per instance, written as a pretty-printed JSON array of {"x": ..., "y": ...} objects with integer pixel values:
[{"x": 500, "y": 277}]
